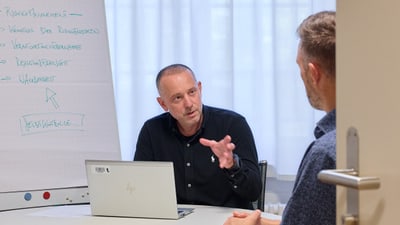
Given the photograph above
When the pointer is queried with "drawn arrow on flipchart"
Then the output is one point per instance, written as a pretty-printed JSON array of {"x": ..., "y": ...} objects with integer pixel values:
[{"x": 50, "y": 96}]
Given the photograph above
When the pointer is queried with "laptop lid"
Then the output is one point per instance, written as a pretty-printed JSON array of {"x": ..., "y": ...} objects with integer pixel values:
[{"x": 132, "y": 189}]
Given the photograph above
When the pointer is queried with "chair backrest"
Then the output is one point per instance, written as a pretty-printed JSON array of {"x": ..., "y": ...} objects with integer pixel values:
[{"x": 260, "y": 203}]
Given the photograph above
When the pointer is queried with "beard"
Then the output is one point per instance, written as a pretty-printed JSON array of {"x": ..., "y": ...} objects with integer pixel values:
[{"x": 314, "y": 99}]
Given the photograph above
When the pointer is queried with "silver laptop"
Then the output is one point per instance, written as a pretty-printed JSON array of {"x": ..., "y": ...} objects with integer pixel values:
[{"x": 133, "y": 189}]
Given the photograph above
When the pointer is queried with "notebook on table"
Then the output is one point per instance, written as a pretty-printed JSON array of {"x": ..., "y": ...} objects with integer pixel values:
[{"x": 133, "y": 189}]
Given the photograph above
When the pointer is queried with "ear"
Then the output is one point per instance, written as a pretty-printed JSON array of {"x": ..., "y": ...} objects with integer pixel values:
[
  {"x": 162, "y": 104},
  {"x": 315, "y": 73},
  {"x": 199, "y": 86}
]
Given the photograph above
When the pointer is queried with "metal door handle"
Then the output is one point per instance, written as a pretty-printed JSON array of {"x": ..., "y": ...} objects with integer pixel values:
[{"x": 348, "y": 178}]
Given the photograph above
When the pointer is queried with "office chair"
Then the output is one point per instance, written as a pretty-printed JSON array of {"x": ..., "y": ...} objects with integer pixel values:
[{"x": 260, "y": 202}]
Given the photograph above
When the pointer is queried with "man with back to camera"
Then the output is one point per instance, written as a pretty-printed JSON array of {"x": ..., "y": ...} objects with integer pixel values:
[
  {"x": 207, "y": 172},
  {"x": 312, "y": 202}
]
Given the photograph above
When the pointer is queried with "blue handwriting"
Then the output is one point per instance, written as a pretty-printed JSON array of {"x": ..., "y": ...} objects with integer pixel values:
[
  {"x": 41, "y": 62},
  {"x": 40, "y": 45},
  {"x": 32, "y": 12},
  {"x": 26, "y": 79}
]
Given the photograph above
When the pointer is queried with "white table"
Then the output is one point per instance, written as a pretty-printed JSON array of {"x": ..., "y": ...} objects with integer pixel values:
[{"x": 80, "y": 214}]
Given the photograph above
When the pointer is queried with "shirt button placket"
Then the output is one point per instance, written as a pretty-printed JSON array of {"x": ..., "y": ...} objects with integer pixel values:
[{"x": 189, "y": 167}]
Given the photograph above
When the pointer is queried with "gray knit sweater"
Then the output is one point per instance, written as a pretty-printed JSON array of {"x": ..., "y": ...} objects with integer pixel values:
[{"x": 313, "y": 202}]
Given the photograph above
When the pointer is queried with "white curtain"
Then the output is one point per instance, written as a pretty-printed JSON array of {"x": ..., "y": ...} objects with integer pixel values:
[{"x": 244, "y": 53}]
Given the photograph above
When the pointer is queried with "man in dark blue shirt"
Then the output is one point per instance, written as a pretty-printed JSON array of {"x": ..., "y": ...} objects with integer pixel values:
[{"x": 213, "y": 150}]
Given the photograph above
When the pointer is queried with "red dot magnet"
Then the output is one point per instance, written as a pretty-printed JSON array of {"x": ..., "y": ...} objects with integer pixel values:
[{"x": 46, "y": 195}]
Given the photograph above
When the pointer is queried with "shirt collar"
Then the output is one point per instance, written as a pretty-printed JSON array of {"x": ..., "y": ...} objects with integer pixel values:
[
  {"x": 173, "y": 123},
  {"x": 326, "y": 124}
]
